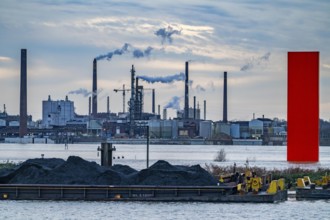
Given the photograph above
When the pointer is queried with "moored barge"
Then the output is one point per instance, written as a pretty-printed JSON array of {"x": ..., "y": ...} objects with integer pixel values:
[{"x": 136, "y": 193}]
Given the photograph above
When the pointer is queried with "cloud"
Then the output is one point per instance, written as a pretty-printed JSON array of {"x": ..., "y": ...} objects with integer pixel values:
[
  {"x": 326, "y": 66},
  {"x": 5, "y": 59}
]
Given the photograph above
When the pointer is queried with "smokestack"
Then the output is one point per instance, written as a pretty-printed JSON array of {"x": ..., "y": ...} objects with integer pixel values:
[
  {"x": 136, "y": 106},
  {"x": 89, "y": 106},
  {"x": 225, "y": 97},
  {"x": 131, "y": 103},
  {"x": 108, "y": 104},
  {"x": 194, "y": 107},
  {"x": 186, "y": 93},
  {"x": 164, "y": 114},
  {"x": 23, "y": 96},
  {"x": 153, "y": 101},
  {"x": 94, "y": 94},
  {"x": 159, "y": 110},
  {"x": 204, "y": 109}
]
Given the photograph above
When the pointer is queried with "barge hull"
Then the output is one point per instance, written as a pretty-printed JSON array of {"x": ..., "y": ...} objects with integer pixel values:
[
  {"x": 317, "y": 193},
  {"x": 135, "y": 193}
]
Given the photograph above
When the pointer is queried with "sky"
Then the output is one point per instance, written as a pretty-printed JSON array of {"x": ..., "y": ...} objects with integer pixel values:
[{"x": 248, "y": 39}]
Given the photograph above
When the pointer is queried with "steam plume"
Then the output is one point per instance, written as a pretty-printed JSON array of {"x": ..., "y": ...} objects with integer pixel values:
[
  {"x": 166, "y": 34},
  {"x": 137, "y": 53},
  {"x": 81, "y": 91},
  {"x": 126, "y": 48},
  {"x": 199, "y": 88},
  {"x": 173, "y": 103},
  {"x": 256, "y": 61},
  {"x": 84, "y": 92},
  {"x": 164, "y": 79}
]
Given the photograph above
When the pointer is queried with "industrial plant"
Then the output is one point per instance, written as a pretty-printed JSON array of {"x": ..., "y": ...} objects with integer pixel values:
[{"x": 60, "y": 124}]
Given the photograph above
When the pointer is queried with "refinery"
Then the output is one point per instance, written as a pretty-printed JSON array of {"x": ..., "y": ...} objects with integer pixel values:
[{"x": 60, "y": 123}]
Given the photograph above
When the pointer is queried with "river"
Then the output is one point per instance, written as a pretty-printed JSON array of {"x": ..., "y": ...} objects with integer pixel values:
[{"x": 135, "y": 155}]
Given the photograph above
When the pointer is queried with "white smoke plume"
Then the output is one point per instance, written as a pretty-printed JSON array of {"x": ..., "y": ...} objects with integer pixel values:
[
  {"x": 255, "y": 61},
  {"x": 174, "y": 103},
  {"x": 81, "y": 91},
  {"x": 126, "y": 48},
  {"x": 84, "y": 92},
  {"x": 200, "y": 88},
  {"x": 166, "y": 34},
  {"x": 164, "y": 79}
]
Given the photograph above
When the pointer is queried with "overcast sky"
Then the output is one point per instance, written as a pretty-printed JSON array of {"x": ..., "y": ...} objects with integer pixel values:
[{"x": 249, "y": 39}]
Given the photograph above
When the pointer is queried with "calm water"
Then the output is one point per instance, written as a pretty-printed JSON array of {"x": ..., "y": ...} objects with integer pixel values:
[
  {"x": 160, "y": 210},
  {"x": 134, "y": 156}
]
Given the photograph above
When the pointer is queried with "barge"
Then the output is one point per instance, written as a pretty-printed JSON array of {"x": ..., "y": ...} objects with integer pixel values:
[
  {"x": 136, "y": 193},
  {"x": 312, "y": 193},
  {"x": 308, "y": 190}
]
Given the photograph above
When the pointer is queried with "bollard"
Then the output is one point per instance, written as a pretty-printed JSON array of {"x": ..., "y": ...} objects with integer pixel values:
[{"x": 106, "y": 154}]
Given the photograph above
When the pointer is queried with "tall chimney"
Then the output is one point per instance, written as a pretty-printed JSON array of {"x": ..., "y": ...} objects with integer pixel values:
[
  {"x": 23, "y": 96},
  {"x": 108, "y": 104},
  {"x": 94, "y": 95},
  {"x": 137, "y": 104},
  {"x": 164, "y": 114},
  {"x": 204, "y": 109},
  {"x": 225, "y": 97},
  {"x": 153, "y": 101},
  {"x": 194, "y": 107},
  {"x": 89, "y": 106},
  {"x": 186, "y": 93},
  {"x": 132, "y": 100},
  {"x": 131, "y": 103}
]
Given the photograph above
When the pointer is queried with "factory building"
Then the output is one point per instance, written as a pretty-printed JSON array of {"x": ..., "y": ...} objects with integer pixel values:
[
  {"x": 57, "y": 113},
  {"x": 256, "y": 128},
  {"x": 166, "y": 129},
  {"x": 205, "y": 129},
  {"x": 2, "y": 123},
  {"x": 194, "y": 113},
  {"x": 220, "y": 128},
  {"x": 234, "y": 131}
]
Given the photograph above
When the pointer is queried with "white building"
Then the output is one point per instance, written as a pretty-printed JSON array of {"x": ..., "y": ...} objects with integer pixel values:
[{"x": 57, "y": 113}]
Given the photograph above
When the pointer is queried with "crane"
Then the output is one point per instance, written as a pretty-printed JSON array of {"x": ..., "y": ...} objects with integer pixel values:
[
  {"x": 124, "y": 94},
  {"x": 127, "y": 90}
]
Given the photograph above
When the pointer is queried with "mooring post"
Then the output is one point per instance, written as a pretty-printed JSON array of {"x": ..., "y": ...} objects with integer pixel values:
[
  {"x": 147, "y": 146},
  {"x": 106, "y": 154}
]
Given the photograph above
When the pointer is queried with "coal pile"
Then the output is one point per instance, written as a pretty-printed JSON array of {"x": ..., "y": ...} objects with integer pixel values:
[
  {"x": 163, "y": 173},
  {"x": 77, "y": 171}
]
